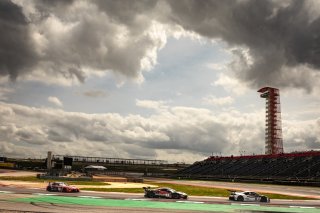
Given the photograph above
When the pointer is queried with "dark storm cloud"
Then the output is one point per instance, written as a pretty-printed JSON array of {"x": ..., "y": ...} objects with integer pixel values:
[
  {"x": 16, "y": 51},
  {"x": 127, "y": 11},
  {"x": 74, "y": 39},
  {"x": 278, "y": 34},
  {"x": 94, "y": 35}
]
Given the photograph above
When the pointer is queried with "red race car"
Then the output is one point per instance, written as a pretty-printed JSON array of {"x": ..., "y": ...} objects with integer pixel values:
[{"x": 61, "y": 187}]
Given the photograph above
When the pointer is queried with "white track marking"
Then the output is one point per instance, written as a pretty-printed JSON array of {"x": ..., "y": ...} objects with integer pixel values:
[
  {"x": 185, "y": 201},
  {"x": 303, "y": 207},
  {"x": 248, "y": 204},
  {"x": 6, "y": 192},
  {"x": 44, "y": 194},
  {"x": 138, "y": 199},
  {"x": 90, "y": 197},
  {"x": 245, "y": 204}
]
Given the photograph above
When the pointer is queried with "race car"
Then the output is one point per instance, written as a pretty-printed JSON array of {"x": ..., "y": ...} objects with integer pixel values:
[
  {"x": 248, "y": 196},
  {"x": 61, "y": 187},
  {"x": 164, "y": 193}
]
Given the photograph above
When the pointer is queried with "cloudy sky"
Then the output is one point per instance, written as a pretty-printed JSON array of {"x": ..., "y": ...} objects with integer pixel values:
[{"x": 169, "y": 80}]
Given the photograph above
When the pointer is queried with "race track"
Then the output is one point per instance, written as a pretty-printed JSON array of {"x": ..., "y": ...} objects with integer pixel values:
[
  {"x": 302, "y": 191},
  {"x": 38, "y": 200}
]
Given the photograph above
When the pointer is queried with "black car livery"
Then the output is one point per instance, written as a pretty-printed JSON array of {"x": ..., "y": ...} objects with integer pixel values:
[{"x": 164, "y": 193}]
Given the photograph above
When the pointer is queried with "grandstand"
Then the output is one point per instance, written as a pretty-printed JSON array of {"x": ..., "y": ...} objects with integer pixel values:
[
  {"x": 303, "y": 167},
  {"x": 275, "y": 166}
]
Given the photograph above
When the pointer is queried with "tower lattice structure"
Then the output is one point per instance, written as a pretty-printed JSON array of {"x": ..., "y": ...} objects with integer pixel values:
[{"x": 273, "y": 132}]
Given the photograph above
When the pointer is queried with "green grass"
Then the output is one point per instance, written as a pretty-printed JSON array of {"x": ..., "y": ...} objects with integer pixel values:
[
  {"x": 21, "y": 178},
  {"x": 287, "y": 197},
  {"x": 35, "y": 179},
  {"x": 191, "y": 190},
  {"x": 195, "y": 190}
]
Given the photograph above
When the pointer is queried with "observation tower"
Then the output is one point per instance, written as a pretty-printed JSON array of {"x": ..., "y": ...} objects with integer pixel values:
[{"x": 273, "y": 132}]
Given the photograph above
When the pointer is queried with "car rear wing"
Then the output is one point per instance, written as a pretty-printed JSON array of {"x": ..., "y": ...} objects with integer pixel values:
[
  {"x": 146, "y": 189},
  {"x": 232, "y": 191}
]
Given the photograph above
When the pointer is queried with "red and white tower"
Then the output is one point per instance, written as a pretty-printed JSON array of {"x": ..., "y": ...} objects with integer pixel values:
[{"x": 273, "y": 138}]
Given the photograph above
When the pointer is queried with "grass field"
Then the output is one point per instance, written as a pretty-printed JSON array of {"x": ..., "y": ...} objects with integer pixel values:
[{"x": 35, "y": 179}]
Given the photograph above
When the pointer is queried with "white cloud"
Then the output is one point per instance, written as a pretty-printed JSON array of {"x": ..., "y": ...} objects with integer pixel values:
[
  {"x": 217, "y": 66},
  {"x": 301, "y": 135},
  {"x": 55, "y": 101},
  {"x": 156, "y": 105},
  {"x": 230, "y": 84},
  {"x": 183, "y": 131},
  {"x": 178, "y": 129},
  {"x": 4, "y": 92},
  {"x": 212, "y": 100}
]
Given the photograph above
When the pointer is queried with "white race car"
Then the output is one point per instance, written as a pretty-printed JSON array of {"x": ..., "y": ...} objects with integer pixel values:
[{"x": 248, "y": 196}]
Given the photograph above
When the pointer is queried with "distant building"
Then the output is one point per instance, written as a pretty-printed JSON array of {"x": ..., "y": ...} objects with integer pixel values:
[{"x": 92, "y": 168}]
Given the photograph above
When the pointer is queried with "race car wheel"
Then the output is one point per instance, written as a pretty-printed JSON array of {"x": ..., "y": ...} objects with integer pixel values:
[
  {"x": 174, "y": 196},
  {"x": 64, "y": 190},
  {"x": 49, "y": 189},
  {"x": 264, "y": 199},
  {"x": 149, "y": 195},
  {"x": 240, "y": 198}
]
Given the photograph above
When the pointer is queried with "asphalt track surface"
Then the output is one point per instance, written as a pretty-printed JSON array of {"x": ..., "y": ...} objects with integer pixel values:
[
  {"x": 309, "y": 192},
  {"x": 38, "y": 200}
]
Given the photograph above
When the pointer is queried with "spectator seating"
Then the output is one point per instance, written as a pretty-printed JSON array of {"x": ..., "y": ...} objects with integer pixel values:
[{"x": 282, "y": 166}]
